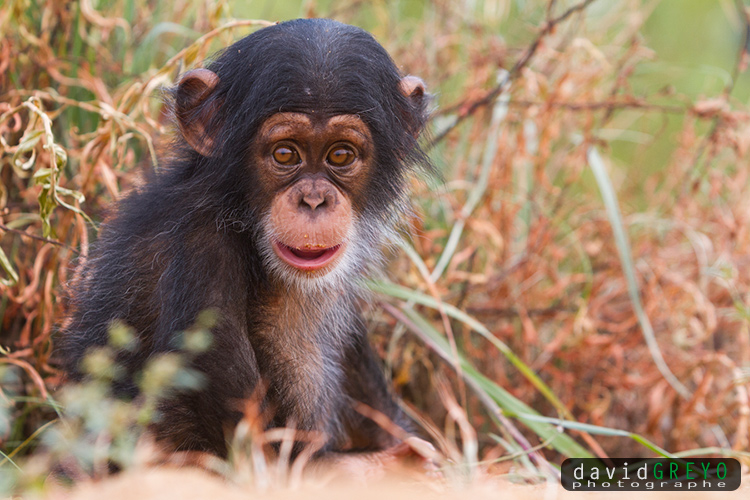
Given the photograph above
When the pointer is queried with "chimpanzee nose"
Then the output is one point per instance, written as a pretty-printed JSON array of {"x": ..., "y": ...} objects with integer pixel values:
[
  {"x": 314, "y": 199},
  {"x": 313, "y": 194}
]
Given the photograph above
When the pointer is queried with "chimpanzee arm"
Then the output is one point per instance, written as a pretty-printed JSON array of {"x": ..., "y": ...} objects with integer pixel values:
[
  {"x": 203, "y": 419},
  {"x": 365, "y": 383}
]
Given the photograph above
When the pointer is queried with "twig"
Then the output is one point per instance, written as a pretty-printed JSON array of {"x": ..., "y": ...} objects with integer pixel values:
[
  {"x": 608, "y": 105},
  {"x": 31, "y": 371},
  {"x": 35, "y": 237},
  {"x": 512, "y": 74},
  {"x": 740, "y": 65},
  {"x": 511, "y": 312}
]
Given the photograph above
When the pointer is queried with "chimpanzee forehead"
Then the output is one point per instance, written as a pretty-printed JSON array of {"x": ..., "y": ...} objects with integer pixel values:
[
  {"x": 309, "y": 65},
  {"x": 311, "y": 128}
]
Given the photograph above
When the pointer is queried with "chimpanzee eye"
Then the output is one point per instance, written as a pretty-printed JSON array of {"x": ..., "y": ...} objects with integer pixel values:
[
  {"x": 341, "y": 156},
  {"x": 285, "y": 155}
]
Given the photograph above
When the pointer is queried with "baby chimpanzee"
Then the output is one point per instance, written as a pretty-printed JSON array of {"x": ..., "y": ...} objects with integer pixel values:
[{"x": 288, "y": 175}]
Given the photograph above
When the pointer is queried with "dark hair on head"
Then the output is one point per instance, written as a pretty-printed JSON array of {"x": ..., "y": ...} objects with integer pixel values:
[{"x": 322, "y": 67}]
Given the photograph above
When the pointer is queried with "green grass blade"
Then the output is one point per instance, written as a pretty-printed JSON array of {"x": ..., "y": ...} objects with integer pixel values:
[
  {"x": 499, "y": 112},
  {"x": 489, "y": 389},
  {"x": 596, "y": 429},
  {"x": 12, "y": 278},
  {"x": 406, "y": 294},
  {"x": 623, "y": 247}
]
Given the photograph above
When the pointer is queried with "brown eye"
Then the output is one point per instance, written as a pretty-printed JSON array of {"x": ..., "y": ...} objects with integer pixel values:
[
  {"x": 285, "y": 155},
  {"x": 341, "y": 157}
]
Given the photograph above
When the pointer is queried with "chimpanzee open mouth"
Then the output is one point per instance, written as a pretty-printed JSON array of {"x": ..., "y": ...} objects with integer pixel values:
[{"x": 306, "y": 259}]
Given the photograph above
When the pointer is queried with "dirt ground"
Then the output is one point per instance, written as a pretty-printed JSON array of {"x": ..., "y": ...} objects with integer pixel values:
[{"x": 194, "y": 484}]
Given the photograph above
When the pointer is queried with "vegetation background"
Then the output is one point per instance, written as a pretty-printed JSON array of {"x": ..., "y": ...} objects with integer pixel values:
[{"x": 575, "y": 285}]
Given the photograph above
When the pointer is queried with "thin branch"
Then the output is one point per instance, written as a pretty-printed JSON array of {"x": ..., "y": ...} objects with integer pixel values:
[
  {"x": 633, "y": 103},
  {"x": 740, "y": 66},
  {"x": 35, "y": 237},
  {"x": 467, "y": 111}
]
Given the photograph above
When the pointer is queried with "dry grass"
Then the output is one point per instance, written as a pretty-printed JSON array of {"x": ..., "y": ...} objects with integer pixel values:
[{"x": 634, "y": 319}]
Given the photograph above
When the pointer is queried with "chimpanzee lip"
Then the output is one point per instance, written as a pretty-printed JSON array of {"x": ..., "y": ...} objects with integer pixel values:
[{"x": 306, "y": 259}]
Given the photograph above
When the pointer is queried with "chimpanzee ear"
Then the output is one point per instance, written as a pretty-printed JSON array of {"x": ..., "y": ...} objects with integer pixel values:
[
  {"x": 194, "y": 114},
  {"x": 413, "y": 89}
]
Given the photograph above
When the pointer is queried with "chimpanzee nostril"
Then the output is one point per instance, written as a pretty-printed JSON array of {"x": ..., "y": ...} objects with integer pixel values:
[
  {"x": 314, "y": 199},
  {"x": 313, "y": 194}
]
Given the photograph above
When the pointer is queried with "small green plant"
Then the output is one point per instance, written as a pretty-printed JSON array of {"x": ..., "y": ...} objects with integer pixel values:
[{"x": 97, "y": 432}]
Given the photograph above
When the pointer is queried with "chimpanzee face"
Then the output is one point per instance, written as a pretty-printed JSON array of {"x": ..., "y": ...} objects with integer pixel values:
[
  {"x": 319, "y": 167},
  {"x": 330, "y": 125}
]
